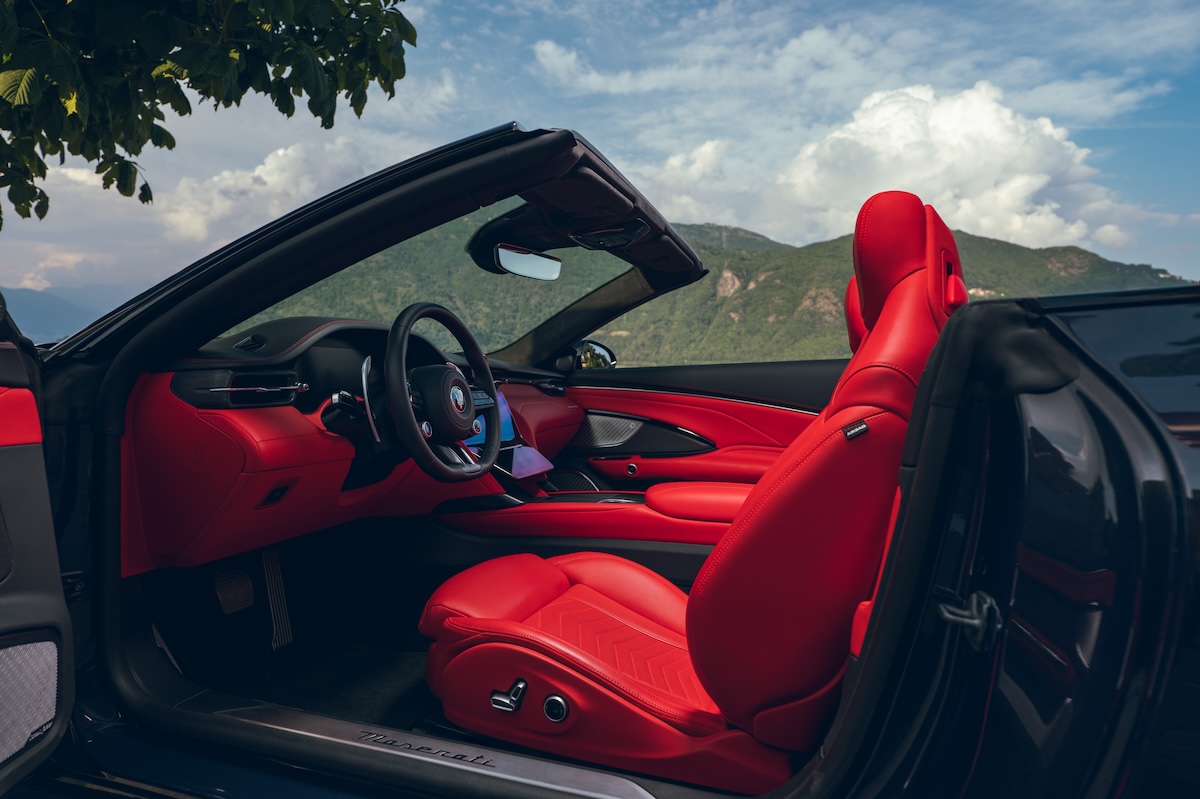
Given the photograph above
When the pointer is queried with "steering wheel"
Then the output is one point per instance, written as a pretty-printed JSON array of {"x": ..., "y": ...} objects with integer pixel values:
[{"x": 434, "y": 407}]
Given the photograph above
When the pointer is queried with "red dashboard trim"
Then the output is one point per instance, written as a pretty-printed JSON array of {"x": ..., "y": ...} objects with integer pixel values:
[
  {"x": 735, "y": 464},
  {"x": 201, "y": 485},
  {"x": 630, "y": 522},
  {"x": 547, "y": 422},
  {"x": 725, "y": 422}
]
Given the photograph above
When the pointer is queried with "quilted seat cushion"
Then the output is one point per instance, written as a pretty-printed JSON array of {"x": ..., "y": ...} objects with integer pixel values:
[{"x": 610, "y": 619}]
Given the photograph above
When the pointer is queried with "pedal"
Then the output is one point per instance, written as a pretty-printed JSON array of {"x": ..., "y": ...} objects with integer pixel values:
[
  {"x": 281, "y": 622},
  {"x": 235, "y": 590}
]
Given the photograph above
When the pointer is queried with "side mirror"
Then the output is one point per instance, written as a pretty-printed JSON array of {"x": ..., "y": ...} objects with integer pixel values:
[
  {"x": 587, "y": 354},
  {"x": 527, "y": 263}
]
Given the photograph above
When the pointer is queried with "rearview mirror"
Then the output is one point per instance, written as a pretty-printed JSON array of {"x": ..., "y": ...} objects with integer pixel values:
[{"x": 527, "y": 263}]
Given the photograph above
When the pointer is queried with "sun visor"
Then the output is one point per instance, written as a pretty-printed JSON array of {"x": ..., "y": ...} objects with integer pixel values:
[
  {"x": 661, "y": 254},
  {"x": 582, "y": 194},
  {"x": 593, "y": 206}
]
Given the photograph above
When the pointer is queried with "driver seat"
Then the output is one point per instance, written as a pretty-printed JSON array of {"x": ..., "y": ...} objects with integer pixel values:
[{"x": 595, "y": 657}]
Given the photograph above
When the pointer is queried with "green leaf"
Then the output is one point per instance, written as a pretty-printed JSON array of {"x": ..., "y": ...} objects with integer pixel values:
[
  {"x": 126, "y": 177},
  {"x": 42, "y": 205},
  {"x": 358, "y": 99},
  {"x": 170, "y": 69},
  {"x": 145, "y": 195},
  {"x": 22, "y": 194},
  {"x": 21, "y": 86},
  {"x": 323, "y": 110},
  {"x": 406, "y": 30},
  {"x": 194, "y": 57},
  {"x": 153, "y": 36},
  {"x": 114, "y": 67},
  {"x": 161, "y": 137},
  {"x": 62, "y": 69},
  {"x": 308, "y": 72},
  {"x": 281, "y": 93},
  {"x": 171, "y": 93}
]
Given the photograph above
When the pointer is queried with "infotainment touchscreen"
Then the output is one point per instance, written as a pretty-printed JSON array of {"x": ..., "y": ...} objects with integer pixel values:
[
  {"x": 508, "y": 432},
  {"x": 519, "y": 460}
]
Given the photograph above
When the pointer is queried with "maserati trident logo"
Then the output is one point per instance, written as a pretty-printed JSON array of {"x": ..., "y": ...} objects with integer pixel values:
[{"x": 458, "y": 399}]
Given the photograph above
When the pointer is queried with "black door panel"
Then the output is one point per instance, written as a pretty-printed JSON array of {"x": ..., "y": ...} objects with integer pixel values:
[{"x": 36, "y": 663}]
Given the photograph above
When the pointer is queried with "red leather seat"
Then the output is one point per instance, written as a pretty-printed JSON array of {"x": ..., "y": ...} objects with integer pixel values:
[{"x": 719, "y": 687}]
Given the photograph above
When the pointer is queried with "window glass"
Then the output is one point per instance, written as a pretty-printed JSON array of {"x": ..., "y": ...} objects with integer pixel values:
[
  {"x": 434, "y": 267},
  {"x": 767, "y": 301},
  {"x": 760, "y": 301}
]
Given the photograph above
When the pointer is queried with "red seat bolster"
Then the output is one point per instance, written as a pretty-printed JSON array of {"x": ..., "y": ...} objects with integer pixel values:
[
  {"x": 602, "y": 726},
  {"x": 512, "y": 587},
  {"x": 807, "y": 585},
  {"x": 629, "y": 584},
  {"x": 615, "y": 621},
  {"x": 679, "y": 714}
]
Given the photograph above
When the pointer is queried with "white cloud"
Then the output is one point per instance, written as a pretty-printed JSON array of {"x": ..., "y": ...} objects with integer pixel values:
[
  {"x": 1090, "y": 99},
  {"x": 77, "y": 175},
  {"x": 987, "y": 169},
  {"x": 1110, "y": 235},
  {"x": 417, "y": 12},
  {"x": 702, "y": 163},
  {"x": 1143, "y": 30},
  {"x": 236, "y": 200},
  {"x": 69, "y": 266},
  {"x": 705, "y": 105}
]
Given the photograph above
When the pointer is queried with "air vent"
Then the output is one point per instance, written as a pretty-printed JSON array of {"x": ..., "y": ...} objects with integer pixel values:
[
  {"x": 223, "y": 388},
  {"x": 251, "y": 343}
]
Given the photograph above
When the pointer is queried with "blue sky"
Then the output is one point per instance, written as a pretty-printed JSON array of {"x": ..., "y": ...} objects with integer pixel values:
[{"x": 1070, "y": 122}]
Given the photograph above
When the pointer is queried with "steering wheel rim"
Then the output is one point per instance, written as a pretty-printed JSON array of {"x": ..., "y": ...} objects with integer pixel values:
[{"x": 435, "y": 455}]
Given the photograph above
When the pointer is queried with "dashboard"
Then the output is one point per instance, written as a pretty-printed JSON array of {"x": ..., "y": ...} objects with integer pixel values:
[{"x": 281, "y": 430}]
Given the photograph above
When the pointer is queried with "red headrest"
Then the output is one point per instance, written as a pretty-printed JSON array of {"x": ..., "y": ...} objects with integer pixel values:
[
  {"x": 895, "y": 236},
  {"x": 855, "y": 328}
]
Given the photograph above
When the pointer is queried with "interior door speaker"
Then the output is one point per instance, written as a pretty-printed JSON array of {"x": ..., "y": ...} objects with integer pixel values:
[{"x": 28, "y": 691}]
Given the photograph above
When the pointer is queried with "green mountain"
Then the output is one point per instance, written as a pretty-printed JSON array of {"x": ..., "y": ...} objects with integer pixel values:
[
  {"x": 434, "y": 267},
  {"x": 770, "y": 301},
  {"x": 762, "y": 300}
]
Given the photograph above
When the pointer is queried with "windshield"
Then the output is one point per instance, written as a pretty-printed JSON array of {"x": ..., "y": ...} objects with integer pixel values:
[{"x": 434, "y": 267}]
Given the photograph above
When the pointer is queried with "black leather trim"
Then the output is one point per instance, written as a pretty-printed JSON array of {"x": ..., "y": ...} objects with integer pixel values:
[{"x": 805, "y": 385}]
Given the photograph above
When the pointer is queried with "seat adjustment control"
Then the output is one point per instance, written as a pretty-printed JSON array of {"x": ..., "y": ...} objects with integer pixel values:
[
  {"x": 555, "y": 708},
  {"x": 510, "y": 701}
]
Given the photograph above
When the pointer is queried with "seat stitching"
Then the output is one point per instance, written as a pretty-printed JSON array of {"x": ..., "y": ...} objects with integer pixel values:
[
  {"x": 888, "y": 365},
  {"x": 648, "y": 697},
  {"x": 647, "y": 633}
]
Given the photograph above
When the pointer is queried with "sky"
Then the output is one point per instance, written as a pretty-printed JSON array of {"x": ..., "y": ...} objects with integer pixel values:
[{"x": 1070, "y": 122}]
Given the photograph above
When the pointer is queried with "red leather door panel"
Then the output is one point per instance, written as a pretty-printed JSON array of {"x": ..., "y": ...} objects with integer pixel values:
[{"x": 746, "y": 436}]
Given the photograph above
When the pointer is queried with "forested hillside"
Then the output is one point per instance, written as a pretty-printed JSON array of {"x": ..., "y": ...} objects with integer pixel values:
[
  {"x": 769, "y": 301},
  {"x": 761, "y": 300}
]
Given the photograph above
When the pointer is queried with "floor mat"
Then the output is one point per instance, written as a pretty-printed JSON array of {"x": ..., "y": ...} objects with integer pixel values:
[{"x": 347, "y": 681}]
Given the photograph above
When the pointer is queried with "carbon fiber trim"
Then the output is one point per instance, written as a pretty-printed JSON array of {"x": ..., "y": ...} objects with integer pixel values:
[
  {"x": 600, "y": 431},
  {"x": 571, "y": 480}
]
